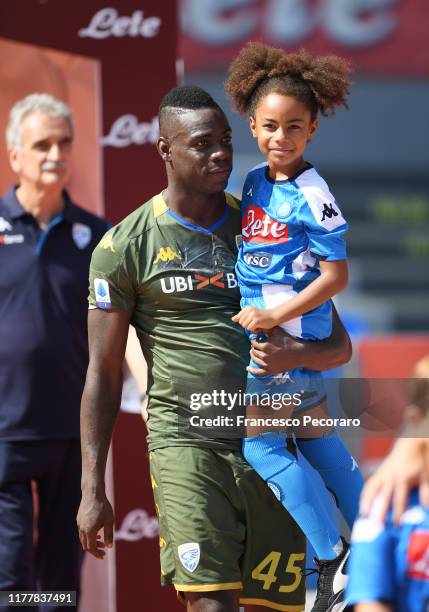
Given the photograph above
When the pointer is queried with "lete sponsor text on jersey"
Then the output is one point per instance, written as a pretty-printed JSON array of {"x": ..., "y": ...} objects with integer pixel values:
[
  {"x": 177, "y": 284},
  {"x": 107, "y": 22},
  {"x": 258, "y": 226}
]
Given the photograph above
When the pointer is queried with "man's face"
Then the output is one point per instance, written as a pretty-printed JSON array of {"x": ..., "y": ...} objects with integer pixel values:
[
  {"x": 43, "y": 157},
  {"x": 200, "y": 149}
]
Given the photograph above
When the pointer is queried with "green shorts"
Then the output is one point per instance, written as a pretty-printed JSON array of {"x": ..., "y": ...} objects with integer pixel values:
[{"x": 222, "y": 528}]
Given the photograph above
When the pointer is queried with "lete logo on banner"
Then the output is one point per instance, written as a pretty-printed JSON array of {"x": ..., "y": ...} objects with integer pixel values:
[
  {"x": 127, "y": 130},
  {"x": 107, "y": 22},
  {"x": 288, "y": 21},
  {"x": 378, "y": 36},
  {"x": 137, "y": 525}
]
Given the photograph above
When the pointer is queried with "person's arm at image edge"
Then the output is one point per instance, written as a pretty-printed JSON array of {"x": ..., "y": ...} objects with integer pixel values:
[
  {"x": 373, "y": 606},
  {"x": 282, "y": 352},
  {"x": 138, "y": 367},
  {"x": 107, "y": 333},
  {"x": 406, "y": 466}
]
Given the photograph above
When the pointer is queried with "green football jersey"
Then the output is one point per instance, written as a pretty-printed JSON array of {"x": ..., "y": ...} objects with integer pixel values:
[{"x": 178, "y": 281}]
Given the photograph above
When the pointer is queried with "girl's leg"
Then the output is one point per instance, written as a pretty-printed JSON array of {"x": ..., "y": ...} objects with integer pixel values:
[
  {"x": 339, "y": 470},
  {"x": 294, "y": 485}
]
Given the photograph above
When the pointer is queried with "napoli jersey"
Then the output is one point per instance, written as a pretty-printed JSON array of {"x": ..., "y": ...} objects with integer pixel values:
[
  {"x": 288, "y": 227},
  {"x": 391, "y": 563}
]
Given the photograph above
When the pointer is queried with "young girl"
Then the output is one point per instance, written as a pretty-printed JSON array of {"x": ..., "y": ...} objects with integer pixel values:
[{"x": 291, "y": 262}]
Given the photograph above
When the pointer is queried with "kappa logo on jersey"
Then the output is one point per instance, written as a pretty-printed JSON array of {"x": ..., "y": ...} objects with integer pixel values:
[
  {"x": 328, "y": 212},
  {"x": 5, "y": 226},
  {"x": 250, "y": 192},
  {"x": 166, "y": 254},
  {"x": 280, "y": 379},
  {"x": 177, "y": 284},
  {"x": 81, "y": 235},
  {"x": 259, "y": 260},
  {"x": 418, "y": 555},
  {"x": 102, "y": 293},
  {"x": 189, "y": 555},
  {"x": 106, "y": 243},
  {"x": 258, "y": 226}
]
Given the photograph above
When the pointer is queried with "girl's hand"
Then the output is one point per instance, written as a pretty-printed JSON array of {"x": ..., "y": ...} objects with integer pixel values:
[{"x": 255, "y": 319}]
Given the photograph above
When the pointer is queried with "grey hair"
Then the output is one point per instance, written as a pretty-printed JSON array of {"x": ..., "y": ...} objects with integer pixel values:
[{"x": 37, "y": 102}]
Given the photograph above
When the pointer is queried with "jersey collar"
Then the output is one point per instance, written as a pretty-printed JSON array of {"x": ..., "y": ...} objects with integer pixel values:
[
  {"x": 16, "y": 210},
  {"x": 160, "y": 206}
]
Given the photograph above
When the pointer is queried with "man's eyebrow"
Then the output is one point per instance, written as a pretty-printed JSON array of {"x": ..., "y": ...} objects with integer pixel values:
[
  {"x": 43, "y": 141},
  {"x": 201, "y": 134},
  {"x": 40, "y": 142},
  {"x": 204, "y": 133}
]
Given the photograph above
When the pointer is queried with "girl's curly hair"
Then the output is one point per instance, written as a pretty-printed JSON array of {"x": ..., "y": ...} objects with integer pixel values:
[{"x": 322, "y": 83}]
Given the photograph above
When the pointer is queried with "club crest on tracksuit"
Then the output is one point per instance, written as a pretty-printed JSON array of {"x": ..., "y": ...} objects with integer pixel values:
[
  {"x": 189, "y": 555},
  {"x": 81, "y": 235}
]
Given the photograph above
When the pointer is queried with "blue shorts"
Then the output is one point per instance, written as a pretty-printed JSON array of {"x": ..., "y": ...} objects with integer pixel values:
[{"x": 313, "y": 325}]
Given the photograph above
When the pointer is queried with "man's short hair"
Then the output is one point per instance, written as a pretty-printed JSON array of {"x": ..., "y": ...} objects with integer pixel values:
[
  {"x": 37, "y": 102},
  {"x": 185, "y": 98}
]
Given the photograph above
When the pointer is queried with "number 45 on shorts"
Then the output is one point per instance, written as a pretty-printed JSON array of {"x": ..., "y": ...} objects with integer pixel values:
[{"x": 266, "y": 571}]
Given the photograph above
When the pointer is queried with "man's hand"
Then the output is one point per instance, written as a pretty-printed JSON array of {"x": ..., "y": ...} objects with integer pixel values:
[
  {"x": 279, "y": 353},
  {"x": 95, "y": 514},
  {"x": 406, "y": 467},
  {"x": 256, "y": 319}
]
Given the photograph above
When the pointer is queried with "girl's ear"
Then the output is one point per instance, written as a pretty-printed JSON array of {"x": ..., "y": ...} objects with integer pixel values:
[
  {"x": 313, "y": 129},
  {"x": 252, "y": 124}
]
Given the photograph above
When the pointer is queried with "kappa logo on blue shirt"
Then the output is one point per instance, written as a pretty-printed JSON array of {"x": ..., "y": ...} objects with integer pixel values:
[
  {"x": 328, "y": 211},
  {"x": 189, "y": 555}
]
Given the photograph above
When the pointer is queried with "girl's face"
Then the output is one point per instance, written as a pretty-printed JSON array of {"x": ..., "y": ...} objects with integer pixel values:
[{"x": 283, "y": 126}]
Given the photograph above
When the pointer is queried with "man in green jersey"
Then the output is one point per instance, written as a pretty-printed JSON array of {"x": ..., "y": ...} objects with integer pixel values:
[{"x": 168, "y": 269}]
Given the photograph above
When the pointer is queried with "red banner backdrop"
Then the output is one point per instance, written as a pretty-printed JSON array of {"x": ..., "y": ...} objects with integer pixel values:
[
  {"x": 122, "y": 55},
  {"x": 383, "y": 37}
]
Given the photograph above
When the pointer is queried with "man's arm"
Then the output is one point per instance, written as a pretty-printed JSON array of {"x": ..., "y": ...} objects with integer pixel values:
[
  {"x": 282, "y": 352},
  {"x": 107, "y": 333}
]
